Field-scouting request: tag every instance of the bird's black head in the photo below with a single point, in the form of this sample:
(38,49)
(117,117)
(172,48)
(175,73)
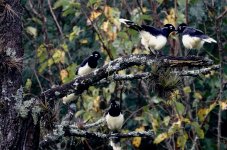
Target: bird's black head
(181,27)
(96,55)
(115,109)
(168,28)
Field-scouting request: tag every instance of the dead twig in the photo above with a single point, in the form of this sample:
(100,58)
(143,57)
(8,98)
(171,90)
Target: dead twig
(55,20)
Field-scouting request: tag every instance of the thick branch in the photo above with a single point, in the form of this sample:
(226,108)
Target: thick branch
(87,126)
(81,83)
(193,73)
(197,72)
(63,131)
(87,134)
(118,77)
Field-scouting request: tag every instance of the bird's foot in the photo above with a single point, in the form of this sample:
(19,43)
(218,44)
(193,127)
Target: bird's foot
(188,52)
(152,52)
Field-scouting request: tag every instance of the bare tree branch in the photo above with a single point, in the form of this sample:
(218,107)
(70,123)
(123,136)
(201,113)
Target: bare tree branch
(55,19)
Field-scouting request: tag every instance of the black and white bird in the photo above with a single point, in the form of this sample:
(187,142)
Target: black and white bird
(193,38)
(89,64)
(152,38)
(114,117)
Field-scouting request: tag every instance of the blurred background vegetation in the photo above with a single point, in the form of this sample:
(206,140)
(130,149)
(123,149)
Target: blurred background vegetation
(59,34)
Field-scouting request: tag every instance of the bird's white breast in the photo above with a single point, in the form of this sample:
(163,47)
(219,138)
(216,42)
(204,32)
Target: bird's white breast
(153,42)
(114,123)
(192,42)
(85,70)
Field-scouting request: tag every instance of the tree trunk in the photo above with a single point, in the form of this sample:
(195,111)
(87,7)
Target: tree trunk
(15,132)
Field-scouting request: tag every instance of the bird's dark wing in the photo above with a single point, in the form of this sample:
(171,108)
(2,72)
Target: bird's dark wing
(151,30)
(194,32)
(77,69)
(82,64)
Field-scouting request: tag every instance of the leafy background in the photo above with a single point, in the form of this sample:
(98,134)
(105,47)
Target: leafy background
(59,34)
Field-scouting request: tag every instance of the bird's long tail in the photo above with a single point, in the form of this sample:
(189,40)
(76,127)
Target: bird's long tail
(131,24)
(68,98)
(115,143)
(210,40)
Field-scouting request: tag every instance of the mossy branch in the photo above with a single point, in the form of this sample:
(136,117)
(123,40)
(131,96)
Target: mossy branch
(70,130)
(81,83)
(194,73)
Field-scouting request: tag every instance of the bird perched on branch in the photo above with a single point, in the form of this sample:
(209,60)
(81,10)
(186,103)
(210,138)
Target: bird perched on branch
(152,38)
(89,64)
(114,119)
(193,38)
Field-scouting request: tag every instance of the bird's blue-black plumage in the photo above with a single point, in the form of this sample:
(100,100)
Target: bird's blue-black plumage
(155,31)
(194,33)
(115,109)
(193,38)
(152,38)
(114,118)
(92,61)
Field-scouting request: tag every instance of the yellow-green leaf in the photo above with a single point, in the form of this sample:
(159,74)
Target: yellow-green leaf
(76,31)
(166,120)
(223,104)
(137,140)
(42,53)
(28,84)
(32,31)
(180,108)
(203,112)
(198,95)
(58,56)
(187,89)
(198,130)
(181,140)
(174,128)
(161,137)
(155,123)
(63,74)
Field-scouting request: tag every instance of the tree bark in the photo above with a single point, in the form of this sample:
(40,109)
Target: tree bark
(15,132)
